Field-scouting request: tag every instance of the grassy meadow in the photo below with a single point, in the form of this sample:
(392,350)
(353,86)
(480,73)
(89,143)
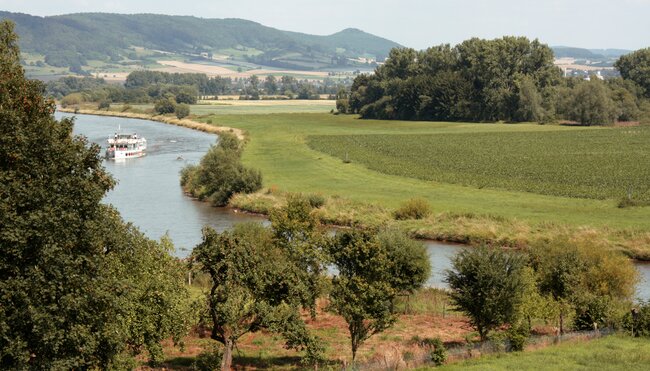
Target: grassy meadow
(278,146)
(608,353)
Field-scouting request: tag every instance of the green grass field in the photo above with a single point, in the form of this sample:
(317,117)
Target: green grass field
(278,147)
(609,353)
(600,164)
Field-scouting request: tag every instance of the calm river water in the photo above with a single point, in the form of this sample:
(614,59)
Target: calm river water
(149,195)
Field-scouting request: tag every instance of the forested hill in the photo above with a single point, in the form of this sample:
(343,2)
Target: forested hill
(101,36)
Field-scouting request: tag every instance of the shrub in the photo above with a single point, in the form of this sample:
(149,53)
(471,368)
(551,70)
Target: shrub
(104,105)
(518,337)
(209,360)
(416,208)
(637,321)
(182,110)
(316,200)
(164,106)
(438,352)
(220,173)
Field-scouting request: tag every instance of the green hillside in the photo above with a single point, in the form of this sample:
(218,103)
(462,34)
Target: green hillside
(73,39)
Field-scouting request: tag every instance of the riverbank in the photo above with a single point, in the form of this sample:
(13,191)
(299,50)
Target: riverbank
(359,197)
(187,123)
(466,229)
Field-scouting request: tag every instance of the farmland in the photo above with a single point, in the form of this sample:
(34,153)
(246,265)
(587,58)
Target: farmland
(596,163)
(278,147)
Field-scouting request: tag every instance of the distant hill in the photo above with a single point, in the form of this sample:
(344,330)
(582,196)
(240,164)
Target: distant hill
(73,39)
(578,53)
(590,54)
(611,53)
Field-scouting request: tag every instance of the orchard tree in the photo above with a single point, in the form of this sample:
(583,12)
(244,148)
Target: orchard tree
(487,284)
(254,287)
(79,289)
(372,271)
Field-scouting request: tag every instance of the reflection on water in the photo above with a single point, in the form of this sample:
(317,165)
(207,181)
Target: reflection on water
(149,195)
(148,192)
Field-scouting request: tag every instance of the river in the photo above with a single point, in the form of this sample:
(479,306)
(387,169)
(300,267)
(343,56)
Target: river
(149,195)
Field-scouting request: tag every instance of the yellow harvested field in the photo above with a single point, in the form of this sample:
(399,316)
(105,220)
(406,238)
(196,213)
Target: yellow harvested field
(569,63)
(177,66)
(231,101)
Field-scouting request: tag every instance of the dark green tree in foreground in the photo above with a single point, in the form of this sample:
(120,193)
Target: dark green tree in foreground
(255,286)
(79,289)
(487,285)
(372,271)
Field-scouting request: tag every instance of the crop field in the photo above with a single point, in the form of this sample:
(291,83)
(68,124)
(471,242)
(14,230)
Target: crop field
(597,163)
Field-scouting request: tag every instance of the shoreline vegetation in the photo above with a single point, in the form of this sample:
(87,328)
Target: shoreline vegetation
(472,229)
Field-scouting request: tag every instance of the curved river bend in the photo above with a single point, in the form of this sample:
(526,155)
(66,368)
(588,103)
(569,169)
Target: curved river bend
(149,195)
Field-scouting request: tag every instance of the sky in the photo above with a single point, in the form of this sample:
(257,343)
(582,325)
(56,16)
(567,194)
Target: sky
(419,24)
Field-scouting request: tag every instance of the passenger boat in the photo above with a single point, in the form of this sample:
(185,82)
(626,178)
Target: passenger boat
(125,146)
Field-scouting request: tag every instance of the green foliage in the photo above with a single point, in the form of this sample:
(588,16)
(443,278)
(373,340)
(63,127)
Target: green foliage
(365,287)
(570,163)
(636,67)
(297,231)
(415,208)
(487,285)
(517,337)
(588,281)
(500,79)
(316,200)
(209,360)
(220,173)
(182,110)
(637,321)
(79,288)
(591,104)
(255,285)
(164,106)
(438,353)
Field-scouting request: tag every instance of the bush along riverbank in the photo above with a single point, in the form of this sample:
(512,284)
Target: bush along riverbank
(465,228)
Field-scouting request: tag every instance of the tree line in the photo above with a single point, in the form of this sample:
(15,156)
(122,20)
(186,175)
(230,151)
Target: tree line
(149,86)
(509,79)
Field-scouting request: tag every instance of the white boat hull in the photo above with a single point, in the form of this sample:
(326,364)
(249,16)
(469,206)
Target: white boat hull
(125,146)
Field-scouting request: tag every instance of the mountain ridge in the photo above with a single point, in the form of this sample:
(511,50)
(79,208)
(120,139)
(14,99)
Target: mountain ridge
(73,38)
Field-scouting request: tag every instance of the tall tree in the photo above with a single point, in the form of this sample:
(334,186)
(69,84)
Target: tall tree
(73,278)
(636,67)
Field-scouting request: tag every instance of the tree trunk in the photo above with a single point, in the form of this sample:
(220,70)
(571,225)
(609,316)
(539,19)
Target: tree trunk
(226,361)
(561,323)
